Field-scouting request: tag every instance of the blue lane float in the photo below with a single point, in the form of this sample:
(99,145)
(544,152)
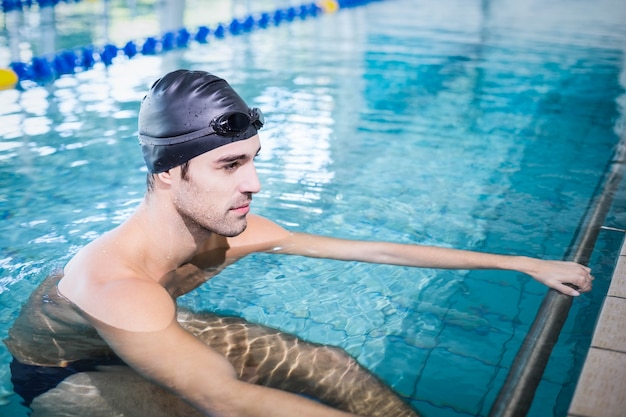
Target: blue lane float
(13,5)
(43,70)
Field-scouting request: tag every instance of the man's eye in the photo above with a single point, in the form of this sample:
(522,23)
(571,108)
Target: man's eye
(231,166)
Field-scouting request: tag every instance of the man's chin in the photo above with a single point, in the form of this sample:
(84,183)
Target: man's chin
(236,232)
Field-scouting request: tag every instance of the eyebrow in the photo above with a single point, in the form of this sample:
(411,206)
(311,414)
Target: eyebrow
(237,157)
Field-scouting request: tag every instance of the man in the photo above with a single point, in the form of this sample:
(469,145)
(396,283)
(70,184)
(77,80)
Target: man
(114,303)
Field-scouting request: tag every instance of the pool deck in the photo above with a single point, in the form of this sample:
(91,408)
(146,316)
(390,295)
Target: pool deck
(601,389)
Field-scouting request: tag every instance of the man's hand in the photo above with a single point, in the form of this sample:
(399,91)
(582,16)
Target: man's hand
(567,277)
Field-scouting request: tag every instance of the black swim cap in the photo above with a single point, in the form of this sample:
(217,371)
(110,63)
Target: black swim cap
(187,113)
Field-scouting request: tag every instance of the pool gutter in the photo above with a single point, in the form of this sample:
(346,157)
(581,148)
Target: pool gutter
(516,395)
(600,388)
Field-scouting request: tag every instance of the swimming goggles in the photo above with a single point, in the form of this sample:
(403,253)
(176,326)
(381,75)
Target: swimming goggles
(235,123)
(228,124)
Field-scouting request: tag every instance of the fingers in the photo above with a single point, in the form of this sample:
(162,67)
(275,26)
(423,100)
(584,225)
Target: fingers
(583,282)
(567,290)
(587,284)
(587,280)
(567,277)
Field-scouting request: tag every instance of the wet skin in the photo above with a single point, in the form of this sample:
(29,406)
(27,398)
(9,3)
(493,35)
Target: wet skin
(117,296)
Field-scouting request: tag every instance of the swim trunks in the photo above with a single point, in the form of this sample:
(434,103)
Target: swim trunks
(30,381)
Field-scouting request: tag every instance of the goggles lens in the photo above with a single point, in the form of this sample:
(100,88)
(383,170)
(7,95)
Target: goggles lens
(234,123)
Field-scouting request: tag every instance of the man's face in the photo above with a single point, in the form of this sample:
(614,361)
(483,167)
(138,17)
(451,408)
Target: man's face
(217,191)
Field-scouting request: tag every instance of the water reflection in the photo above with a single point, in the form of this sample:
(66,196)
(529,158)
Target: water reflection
(297,137)
(419,139)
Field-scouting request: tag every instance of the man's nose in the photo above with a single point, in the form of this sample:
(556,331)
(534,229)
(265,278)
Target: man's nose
(251,182)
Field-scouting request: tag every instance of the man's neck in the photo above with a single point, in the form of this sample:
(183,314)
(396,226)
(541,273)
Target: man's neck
(165,240)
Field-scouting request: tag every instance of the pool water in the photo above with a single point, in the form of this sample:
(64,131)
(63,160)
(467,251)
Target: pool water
(476,125)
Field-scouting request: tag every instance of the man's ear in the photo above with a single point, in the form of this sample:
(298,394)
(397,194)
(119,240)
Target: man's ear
(165,178)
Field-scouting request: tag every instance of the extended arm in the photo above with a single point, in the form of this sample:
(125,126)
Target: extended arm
(554,274)
(265,235)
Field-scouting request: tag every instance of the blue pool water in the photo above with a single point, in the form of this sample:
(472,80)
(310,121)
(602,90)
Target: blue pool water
(482,125)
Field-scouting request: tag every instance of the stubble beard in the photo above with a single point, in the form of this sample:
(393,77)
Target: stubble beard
(202,220)
(203,227)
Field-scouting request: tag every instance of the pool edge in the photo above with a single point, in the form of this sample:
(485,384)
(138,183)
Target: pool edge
(599,392)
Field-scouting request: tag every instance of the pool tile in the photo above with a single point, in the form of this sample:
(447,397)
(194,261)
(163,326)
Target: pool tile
(610,331)
(445,384)
(618,283)
(600,390)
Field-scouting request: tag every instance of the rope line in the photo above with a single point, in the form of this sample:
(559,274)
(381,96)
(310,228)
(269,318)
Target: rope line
(45,69)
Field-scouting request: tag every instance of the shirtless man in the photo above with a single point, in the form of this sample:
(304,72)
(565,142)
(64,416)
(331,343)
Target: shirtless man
(115,301)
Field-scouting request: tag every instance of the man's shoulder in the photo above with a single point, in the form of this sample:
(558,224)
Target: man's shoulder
(260,234)
(115,293)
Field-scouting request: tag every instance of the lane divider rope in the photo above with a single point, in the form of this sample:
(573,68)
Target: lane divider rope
(45,69)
